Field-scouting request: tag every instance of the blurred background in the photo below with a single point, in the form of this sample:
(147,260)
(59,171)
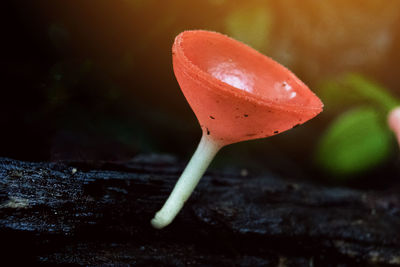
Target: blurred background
(93,80)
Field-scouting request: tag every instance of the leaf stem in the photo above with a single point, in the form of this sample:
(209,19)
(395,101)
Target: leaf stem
(201,159)
(372,91)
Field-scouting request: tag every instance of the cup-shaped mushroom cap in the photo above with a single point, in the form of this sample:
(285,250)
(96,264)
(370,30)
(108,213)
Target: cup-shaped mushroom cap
(236,92)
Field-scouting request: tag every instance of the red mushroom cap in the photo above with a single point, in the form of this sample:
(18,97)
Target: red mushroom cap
(394,122)
(236,92)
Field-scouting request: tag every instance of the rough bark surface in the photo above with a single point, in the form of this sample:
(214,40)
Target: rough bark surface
(98,213)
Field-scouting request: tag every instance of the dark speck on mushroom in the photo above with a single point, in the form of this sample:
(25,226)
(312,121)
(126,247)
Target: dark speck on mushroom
(211,117)
(208,132)
(276,132)
(245,115)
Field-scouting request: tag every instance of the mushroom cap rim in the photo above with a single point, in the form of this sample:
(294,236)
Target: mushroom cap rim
(192,69)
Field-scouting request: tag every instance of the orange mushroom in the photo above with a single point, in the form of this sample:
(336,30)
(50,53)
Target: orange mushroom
(394,122)
(237,94)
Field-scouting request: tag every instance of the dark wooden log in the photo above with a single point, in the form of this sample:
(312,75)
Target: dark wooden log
(98,213)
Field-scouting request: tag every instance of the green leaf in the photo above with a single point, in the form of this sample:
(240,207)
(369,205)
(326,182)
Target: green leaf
(358,140)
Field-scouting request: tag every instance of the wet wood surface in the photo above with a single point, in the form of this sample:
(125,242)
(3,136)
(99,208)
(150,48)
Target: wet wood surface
(98,214)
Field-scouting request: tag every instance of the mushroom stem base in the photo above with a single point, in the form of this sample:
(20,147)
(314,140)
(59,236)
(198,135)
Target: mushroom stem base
(201,159)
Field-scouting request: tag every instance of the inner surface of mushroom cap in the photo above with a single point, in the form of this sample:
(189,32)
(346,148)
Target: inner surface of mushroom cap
(244,68)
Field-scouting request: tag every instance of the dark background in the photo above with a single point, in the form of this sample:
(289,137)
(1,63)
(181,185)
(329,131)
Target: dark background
(93,80)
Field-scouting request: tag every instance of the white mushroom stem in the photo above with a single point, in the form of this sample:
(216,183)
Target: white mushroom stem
(394,122)
(205,152)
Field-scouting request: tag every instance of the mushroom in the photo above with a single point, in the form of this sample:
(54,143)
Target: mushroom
(237,94)
(394,122)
